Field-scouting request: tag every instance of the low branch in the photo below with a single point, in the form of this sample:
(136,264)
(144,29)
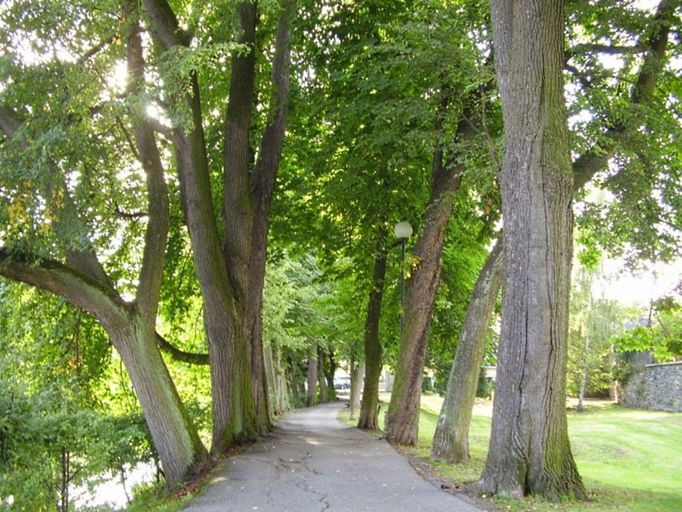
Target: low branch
(180,355)
(605,49)
(129,215)
(76,287)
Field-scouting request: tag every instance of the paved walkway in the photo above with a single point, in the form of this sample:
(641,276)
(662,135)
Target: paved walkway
(312,462)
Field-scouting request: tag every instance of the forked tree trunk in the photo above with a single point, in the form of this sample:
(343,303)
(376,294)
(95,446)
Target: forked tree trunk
(231,273)
(369,408)
(451,439)
(529,448)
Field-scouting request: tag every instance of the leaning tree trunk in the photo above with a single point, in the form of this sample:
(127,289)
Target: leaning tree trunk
(402,418)
(175,438)
(529,448)
(369,408)
(451,439)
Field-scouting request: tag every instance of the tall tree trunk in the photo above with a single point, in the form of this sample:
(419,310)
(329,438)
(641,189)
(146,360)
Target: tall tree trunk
(231,276)
(311,392)
(276,383)
(529,448)
(584,168)
(403,411)
(271,378)
(586,375)
(451,439)
(321,377)
(329,372)
(369,408)
(357,371)
(249,189)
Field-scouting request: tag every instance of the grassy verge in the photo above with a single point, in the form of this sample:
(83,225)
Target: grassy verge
(630,460)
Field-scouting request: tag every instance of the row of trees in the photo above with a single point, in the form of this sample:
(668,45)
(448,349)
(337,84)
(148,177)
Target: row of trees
(141,145)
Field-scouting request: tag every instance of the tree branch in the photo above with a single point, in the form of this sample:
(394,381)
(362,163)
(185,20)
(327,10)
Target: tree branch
(156,235)
(180,355)
(595,159)
(76,287)
(95,49)
(166,24)
(263,178)
(238,199)
(86,261)
(606,49)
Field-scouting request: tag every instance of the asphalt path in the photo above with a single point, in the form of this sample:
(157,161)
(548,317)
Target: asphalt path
(313,462)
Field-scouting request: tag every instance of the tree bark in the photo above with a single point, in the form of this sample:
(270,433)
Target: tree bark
(586,375)
(321,375)
(329,372)
(369,408)
(451,439)
(357,371)
(529,448)
(311,392)
(403,411)
(175,438)
(249,189)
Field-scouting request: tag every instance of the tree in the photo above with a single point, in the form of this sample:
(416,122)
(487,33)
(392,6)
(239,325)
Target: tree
(529,448)
(46,177)
(230,268)
(451,437)
(613,130)
(593,323)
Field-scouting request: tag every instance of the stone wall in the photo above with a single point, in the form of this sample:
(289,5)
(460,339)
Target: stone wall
(655,386)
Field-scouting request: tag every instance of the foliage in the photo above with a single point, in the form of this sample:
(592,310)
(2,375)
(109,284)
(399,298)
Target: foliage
(305,308)
(594,323)
(55,433)
(485,387)
(638,213)
(662,337)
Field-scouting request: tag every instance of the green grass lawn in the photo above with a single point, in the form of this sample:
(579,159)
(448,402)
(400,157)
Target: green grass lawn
(629,459)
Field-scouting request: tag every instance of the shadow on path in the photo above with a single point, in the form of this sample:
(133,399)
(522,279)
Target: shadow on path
(313,462)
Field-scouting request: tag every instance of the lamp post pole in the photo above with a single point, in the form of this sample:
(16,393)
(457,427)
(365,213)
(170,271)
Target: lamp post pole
(403,231)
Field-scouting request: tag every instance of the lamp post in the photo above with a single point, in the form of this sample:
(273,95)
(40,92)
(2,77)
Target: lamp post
(403,231)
